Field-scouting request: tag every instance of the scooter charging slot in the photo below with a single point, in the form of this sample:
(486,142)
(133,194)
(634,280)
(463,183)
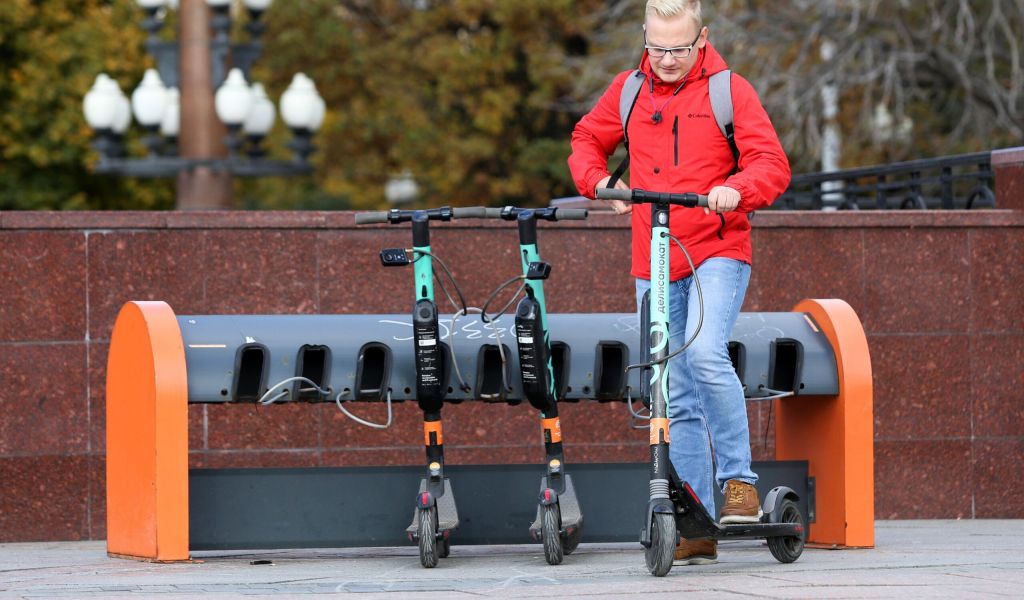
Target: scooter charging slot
(251,366)
(489,380)
(610,363)
(313,363)
(373,371)
(785,365)
(738,357)
(561,356)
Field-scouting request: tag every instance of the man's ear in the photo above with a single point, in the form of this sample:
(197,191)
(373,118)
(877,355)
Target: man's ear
(703,37)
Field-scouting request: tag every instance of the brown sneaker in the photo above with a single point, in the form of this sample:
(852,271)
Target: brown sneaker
(696,552)
(741,503)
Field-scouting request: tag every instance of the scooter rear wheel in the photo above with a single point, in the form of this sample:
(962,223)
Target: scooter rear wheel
(663,545)
(428,537)
(551,523)
(787,549)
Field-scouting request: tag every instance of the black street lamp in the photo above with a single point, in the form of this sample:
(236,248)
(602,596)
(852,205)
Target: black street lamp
(243,109)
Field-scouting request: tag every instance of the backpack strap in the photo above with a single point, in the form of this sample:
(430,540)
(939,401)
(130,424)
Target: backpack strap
(720,91)
(627,100)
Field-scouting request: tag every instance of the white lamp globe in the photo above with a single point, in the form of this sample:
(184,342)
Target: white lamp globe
(149,99)
(261,116)
(123,118)
(233,99)
(258,5)
(298,102)
(171,122)
(218,3)
(151,4)
(100,103)
(316,119)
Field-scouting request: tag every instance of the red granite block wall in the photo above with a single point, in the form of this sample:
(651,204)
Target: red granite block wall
(939,294)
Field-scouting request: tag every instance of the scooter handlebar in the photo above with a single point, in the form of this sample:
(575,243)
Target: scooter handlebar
(643,196)
(614,194)
(469,212)
(368,218)
(571,214)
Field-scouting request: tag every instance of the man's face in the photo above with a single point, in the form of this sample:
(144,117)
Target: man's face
(674,32)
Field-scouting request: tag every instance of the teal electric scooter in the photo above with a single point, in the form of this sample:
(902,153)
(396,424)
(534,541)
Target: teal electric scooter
(674,509)
(435,515)
(559,521)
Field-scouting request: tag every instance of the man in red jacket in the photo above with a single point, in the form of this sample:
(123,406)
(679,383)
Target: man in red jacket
(675,145)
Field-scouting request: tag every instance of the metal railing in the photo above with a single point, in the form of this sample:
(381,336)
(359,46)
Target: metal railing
(963,181)
(951,182)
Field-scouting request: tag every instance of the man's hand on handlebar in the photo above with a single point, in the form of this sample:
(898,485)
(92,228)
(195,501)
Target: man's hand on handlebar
(620,207)
(722,199)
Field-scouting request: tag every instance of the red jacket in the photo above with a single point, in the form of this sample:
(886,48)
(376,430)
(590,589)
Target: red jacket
(685,152)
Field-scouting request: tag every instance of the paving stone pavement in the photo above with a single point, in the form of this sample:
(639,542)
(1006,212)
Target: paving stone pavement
(912,559)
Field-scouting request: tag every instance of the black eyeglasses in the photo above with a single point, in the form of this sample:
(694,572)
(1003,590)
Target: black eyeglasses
(676,52)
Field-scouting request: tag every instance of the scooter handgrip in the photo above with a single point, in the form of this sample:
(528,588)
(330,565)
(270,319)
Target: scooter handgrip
(469,212)
(493,213)
(702,200)
(371,217)
(614,194)
(571,214)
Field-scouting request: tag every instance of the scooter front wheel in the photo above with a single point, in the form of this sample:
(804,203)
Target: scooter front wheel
(663,545)
(428,537)
(551,523)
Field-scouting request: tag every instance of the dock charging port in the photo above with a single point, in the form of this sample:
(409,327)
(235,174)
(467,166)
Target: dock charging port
(373,372)
(738,358)
(561,359)
(785,365)
(611,359)
(252,362)
(447,385)
(489,380)
(313,363)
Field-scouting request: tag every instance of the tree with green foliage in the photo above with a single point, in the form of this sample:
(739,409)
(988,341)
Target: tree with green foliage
(50,53)
(476,99)
(467,96)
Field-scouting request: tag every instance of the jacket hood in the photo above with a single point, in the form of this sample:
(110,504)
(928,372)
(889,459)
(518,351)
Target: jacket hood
(709,62)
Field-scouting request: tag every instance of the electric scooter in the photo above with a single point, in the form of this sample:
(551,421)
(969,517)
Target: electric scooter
(674,509)
(435,515)
(559,521)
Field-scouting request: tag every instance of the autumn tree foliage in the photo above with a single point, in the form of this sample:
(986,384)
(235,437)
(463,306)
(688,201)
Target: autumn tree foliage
(50,52)
(476,99)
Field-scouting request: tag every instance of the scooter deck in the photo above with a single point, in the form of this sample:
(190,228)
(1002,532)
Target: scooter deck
(568,506)
(693,522)
(447,513)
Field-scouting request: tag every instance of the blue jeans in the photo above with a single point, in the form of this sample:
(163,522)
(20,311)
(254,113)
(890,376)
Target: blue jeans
(706,410)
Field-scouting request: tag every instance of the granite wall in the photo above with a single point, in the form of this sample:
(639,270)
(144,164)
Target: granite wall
(939,293)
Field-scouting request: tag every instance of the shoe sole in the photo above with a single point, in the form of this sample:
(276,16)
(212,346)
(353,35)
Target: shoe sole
(695,560)
(741,520)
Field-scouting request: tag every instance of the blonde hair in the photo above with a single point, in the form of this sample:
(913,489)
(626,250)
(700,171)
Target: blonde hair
(670,8)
